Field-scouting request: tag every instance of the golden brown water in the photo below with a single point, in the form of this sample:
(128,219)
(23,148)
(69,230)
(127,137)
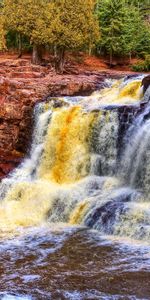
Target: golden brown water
(66,158)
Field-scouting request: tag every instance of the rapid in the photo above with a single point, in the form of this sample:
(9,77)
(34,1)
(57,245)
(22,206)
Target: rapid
(75,215)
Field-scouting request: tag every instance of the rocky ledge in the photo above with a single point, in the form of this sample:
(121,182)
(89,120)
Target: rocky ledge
(22,85)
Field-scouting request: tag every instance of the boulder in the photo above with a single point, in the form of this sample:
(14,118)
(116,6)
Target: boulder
(146,82)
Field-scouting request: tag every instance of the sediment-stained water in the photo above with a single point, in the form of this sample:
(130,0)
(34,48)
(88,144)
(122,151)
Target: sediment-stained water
(73,263)
(75,216)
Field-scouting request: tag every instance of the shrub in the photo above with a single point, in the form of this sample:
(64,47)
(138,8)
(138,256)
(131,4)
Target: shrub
(142,66)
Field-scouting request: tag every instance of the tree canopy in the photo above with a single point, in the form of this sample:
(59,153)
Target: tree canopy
(124,27)
(109,27)
(64,24)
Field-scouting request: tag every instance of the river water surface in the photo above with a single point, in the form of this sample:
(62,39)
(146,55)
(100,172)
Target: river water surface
(73,263)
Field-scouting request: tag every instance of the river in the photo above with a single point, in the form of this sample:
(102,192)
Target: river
(75,215)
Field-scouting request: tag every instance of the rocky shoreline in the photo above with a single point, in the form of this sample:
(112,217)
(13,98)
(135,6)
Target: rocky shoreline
(22,85)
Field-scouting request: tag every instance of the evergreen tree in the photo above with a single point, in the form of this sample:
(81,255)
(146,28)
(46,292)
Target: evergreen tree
(124,29)
(136,27)
(77,26)
(111,15)
(131,29)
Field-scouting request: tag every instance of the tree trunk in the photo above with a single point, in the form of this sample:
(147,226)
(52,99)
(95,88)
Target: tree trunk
(130,57)
(55,51)
(19,45)
(36,55)
(90,50)
(60,60)
(111,58)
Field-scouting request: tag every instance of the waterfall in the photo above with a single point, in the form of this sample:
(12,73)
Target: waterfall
(73,173)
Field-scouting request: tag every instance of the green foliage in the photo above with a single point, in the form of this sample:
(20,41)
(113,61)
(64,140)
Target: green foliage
(130,32)
(30,18)
(142,66)
(64,24)
(124,27)
(12,41)
(143,39)
(76,25)
(111,16)
(68,24)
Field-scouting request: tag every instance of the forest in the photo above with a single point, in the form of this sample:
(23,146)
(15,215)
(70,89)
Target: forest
(106,28)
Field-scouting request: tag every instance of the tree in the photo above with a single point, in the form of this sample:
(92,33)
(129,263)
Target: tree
(136,30)
(30,18)
(2,34)
(2,30)
(124,30)
(111,18)
(64,24)
(76,28)
(130,30)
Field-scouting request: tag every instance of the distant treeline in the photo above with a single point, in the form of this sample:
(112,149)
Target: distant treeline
(115,28)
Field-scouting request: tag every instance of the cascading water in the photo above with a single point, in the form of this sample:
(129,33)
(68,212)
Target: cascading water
(72,173)
(75,215)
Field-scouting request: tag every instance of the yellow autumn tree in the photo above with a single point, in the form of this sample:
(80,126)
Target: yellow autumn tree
(2,30)
(63,24)
(77,26)
(30,18)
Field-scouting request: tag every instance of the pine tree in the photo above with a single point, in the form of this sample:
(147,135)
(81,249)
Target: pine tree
(124,29)
(136,28)
(131,29)
(111,18)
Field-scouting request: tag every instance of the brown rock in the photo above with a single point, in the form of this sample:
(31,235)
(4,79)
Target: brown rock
(21,87)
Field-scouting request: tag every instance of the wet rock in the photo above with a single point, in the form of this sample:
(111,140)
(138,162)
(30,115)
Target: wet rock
(9,161)
(105,216)
(22,85)
(146,82)
(130,76)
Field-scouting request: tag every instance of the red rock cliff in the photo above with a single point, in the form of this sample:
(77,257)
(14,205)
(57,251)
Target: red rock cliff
(21,86)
